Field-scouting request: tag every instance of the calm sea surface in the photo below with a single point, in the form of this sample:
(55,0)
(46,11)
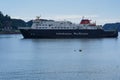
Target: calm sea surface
(59,59)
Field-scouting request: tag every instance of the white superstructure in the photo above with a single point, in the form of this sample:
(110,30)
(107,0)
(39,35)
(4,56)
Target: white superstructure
(51,24)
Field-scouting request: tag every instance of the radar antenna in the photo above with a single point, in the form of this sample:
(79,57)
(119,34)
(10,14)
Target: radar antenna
(83,17)
(38,17)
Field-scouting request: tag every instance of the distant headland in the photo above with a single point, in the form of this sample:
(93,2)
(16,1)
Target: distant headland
(9,25)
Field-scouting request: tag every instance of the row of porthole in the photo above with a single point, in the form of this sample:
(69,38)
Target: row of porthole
(57,28)
(44,25)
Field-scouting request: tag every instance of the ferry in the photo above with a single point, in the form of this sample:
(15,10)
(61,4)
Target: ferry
(42,28)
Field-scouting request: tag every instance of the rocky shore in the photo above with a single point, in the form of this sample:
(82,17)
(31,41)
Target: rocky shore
(10,32)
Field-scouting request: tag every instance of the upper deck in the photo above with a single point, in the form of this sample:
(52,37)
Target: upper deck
(51,24)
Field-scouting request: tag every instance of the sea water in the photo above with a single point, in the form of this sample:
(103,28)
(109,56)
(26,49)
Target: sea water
(59,59)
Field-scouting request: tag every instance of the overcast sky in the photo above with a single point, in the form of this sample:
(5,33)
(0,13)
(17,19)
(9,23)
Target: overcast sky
(101,11)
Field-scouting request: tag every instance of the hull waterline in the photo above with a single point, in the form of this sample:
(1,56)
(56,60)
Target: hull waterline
(99,33)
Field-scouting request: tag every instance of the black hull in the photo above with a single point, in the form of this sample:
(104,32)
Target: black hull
(99,33)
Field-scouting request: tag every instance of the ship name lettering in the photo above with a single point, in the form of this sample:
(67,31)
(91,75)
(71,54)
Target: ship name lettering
(63,33)
(80,33)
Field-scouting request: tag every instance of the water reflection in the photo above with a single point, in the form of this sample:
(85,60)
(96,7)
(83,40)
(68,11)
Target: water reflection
(59,59)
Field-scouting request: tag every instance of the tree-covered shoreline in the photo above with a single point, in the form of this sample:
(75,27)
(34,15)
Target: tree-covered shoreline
(9,25)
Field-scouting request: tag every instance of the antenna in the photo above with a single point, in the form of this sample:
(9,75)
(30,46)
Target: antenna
(38,17)
(83,17)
